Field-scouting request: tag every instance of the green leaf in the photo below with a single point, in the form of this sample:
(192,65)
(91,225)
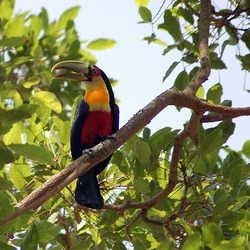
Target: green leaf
(45,19)
(142,151)
(101,44)
(235,176)
(192,242)
(46,76)
(166,243)
(47,231)
(212,235)
(63,128)
(212,141)
(68,15)
(119,246)
(244,228)
(4,246)
(169,48)
(245,61)
(172,25)
(18,60)
(246,149)
(6,10)
(216,62)
(6,208)
(31,239)
(216,137)
(142,2)
(220,195)
(6,155)
(200,92)
(35,26)
(141,186)
(145,14)
(146,133)
(13,41)
(48,99)
(38,54)
(170,70)
(33,152)
(163,139)
(34,80)
(13,95)
(182,80)
(214,94)
(186,14)
(246,38)
(18,174)
(231,41)
(15,27)
(236,242)
(153,39)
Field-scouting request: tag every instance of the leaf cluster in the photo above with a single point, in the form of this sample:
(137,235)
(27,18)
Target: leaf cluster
(181,20)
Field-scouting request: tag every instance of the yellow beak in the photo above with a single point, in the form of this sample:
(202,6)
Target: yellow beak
(80,71)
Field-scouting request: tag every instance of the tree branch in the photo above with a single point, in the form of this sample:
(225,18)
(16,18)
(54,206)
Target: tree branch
(203,73)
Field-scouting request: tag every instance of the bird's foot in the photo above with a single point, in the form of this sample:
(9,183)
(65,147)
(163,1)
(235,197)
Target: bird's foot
(110,137)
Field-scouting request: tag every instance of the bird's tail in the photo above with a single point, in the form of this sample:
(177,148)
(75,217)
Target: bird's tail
(88,192)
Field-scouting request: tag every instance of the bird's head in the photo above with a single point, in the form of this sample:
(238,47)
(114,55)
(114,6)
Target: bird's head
(98,88)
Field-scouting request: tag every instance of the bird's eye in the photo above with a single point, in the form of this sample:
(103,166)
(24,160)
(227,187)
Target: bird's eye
(95,72)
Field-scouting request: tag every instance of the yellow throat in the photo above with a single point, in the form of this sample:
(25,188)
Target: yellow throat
(97,95)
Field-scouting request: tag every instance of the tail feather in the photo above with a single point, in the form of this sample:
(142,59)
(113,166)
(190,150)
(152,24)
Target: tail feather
(88,192)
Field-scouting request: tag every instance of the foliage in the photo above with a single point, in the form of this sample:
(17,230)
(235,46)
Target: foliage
(209,207)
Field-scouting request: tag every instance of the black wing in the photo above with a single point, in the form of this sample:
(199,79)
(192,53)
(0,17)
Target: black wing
(115,113)
(76,129)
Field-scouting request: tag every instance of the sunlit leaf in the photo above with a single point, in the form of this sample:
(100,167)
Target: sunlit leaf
(101,44)
(31,82)
(48,99)
(142,2)
(18,174)
(69,14)
(13,41)
(33,152)
(15,27)
(214,93)
(6,9)
(246,149)
(212,235)
(192,242)
(200,92)
(35,25)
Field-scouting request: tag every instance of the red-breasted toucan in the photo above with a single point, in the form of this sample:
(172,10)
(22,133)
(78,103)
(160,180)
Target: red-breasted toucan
(96,118)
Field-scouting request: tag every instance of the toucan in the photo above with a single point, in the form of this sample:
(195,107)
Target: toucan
(96,118)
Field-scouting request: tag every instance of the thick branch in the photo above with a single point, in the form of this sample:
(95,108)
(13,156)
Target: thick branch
(203,73)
